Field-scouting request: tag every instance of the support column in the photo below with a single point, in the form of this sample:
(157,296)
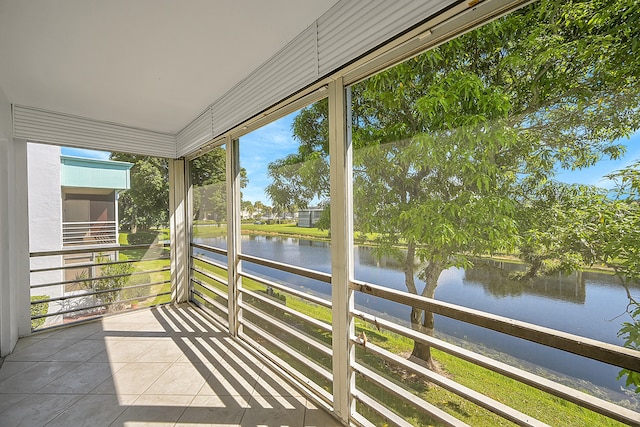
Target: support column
(14,243)
(340,152)
(21,229)
(178,229)
(233,233)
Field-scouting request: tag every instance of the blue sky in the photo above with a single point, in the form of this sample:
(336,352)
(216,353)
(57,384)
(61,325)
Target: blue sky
(261,147)
(274,141)
(594,175)
(83,152)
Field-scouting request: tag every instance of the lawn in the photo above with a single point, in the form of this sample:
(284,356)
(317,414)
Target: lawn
(287,230)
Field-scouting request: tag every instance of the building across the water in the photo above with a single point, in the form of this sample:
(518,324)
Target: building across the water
(309,217)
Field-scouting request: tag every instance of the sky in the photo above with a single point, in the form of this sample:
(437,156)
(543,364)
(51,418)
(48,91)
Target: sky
(274,141)
(255,158)
(83,152)
(595,174)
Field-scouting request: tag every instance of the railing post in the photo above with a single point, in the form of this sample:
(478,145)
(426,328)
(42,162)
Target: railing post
(340,152)
(178,232)
(233,232)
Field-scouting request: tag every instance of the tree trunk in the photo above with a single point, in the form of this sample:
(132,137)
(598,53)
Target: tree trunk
(534,269)
(423,321)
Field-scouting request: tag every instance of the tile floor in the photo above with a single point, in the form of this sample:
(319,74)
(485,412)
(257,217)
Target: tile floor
(166,366)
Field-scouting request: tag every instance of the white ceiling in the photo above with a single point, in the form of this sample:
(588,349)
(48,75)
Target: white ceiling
(153,64)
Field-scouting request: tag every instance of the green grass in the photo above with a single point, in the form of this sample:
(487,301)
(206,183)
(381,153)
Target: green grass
(209,230)
(149,297)
(284,230)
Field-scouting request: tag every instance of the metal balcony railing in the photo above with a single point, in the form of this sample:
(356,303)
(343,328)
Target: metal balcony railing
(89,233)
(72,285)
(294,333)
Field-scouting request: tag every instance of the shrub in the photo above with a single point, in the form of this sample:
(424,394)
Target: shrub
(142,238)
(105,282)
(38,310)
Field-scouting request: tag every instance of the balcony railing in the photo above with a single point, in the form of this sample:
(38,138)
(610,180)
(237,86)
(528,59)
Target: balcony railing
(292,330)
(89,233)
(73,285)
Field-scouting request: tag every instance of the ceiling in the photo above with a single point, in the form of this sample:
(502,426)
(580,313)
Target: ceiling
(153,64)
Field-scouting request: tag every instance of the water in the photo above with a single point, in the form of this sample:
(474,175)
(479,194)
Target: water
(590,305)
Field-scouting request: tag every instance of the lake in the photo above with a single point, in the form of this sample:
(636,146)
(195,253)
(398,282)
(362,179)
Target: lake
(589,304)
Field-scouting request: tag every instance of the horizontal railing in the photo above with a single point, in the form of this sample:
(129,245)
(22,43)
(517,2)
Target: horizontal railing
(89,233)
(118,278)
(596,350)
(295,335)
(294,340)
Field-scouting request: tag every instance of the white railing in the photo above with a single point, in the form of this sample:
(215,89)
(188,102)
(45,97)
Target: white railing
(295,334)
(89,233)
(114,279)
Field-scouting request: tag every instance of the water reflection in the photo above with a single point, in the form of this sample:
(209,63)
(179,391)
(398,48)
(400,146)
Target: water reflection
(495,278)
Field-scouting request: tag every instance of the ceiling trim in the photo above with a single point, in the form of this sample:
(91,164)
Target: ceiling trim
(38,125)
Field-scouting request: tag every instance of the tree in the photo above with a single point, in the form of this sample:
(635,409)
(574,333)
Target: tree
(208,177)
(621,229)
(452,143)
(559,226)
(247,206)
(146,203)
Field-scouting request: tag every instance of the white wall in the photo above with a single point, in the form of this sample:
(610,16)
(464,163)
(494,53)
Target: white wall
(45,201)
(45,220)
(14,232)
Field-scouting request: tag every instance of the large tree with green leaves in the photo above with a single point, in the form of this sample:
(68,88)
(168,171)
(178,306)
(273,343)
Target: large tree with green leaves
(146,203)
(449,145)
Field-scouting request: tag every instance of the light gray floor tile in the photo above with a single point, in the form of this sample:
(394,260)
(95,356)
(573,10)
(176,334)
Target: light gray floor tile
(162,350)
(39,410)
(90,411)
(212,411)
(229,382)
(36,377)
(9,400)
(133,378)
(127,351)
(40,350)
(80,351)
(26,342)
(272,384)
(10,368)
(79,331)
(317,417)
(259,415)
(148,415)
(181,378)
(153,367)
(83,378)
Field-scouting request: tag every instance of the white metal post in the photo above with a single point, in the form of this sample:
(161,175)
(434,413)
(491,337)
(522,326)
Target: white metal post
(340,152)
(178,232)
(21,229)
(233,233)
(188,185)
